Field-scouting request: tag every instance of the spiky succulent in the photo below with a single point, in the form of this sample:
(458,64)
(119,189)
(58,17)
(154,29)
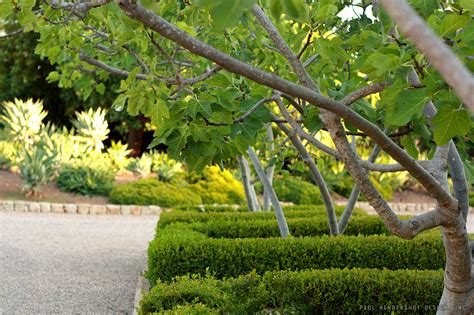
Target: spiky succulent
(23,120)
(118,153)
(141,166)
(92,127)
(165,167)
(36,169)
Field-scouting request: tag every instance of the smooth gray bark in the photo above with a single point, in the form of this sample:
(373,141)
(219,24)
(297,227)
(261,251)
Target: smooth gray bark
(282,225)
(318,178)
(270,169)
(248,187)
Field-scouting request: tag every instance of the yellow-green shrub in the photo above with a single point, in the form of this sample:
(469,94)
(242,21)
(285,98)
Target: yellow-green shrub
(151,191)
(216,186)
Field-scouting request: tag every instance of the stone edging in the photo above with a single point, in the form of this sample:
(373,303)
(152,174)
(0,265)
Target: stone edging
(143,286)
(400,206)
(46,207)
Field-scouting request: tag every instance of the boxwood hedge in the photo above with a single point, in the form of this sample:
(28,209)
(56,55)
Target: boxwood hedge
(196,216)
(334,291)
(311,226)
(178,250)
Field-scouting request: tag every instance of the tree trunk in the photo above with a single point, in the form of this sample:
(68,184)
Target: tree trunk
(248,187)
(270,169)
(458,292)
(331,213)
(135,138)
(282,225)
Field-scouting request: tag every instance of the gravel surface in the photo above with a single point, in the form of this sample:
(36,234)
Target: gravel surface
(60,263)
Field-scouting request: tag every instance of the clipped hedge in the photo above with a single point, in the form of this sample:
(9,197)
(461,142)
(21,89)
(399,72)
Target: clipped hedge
(195,216)
(151,191)
(178,250)
(334,291)
(310,226)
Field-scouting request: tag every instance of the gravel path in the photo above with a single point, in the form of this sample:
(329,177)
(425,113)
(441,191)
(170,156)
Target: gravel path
(60,263)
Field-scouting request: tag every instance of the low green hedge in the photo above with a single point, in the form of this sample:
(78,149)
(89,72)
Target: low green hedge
(310,226)
(226,208)
(195,216)
(178,250)
(151,191)
(334,291)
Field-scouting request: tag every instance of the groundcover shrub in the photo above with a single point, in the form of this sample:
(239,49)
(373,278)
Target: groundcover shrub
(151,191)
(333,291)
(86,178)
(179,250)
(294,189)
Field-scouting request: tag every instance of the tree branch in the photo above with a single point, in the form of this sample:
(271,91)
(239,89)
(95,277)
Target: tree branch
(110,69)
(168,30)
(440,56)
(363,92)
(333,227)
(14,33)
(206,75)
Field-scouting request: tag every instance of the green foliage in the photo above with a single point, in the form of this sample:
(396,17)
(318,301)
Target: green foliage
(312,226)
(141,166)
(216,186)
(118,153)
(296,190)
(36,169)
(178,250)
(471,198)
(86,177)
(92,126)
(333,291)
(226,13)
(151,191)
(23,120)
(351,53)
(450,122)
(7,154)
(195,214)
(295,9)
(165,168)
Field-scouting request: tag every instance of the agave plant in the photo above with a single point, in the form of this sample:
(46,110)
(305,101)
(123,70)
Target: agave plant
(165,168)
(57,144)
(92,127)
(23,120)
(118,153)
(7,154)
(36,169)
(141,166)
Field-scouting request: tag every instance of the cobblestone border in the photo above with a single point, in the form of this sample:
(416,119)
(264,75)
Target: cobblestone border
(399,206)
(46,207)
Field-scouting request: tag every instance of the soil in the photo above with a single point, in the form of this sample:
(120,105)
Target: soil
(410,196)
(10,184)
